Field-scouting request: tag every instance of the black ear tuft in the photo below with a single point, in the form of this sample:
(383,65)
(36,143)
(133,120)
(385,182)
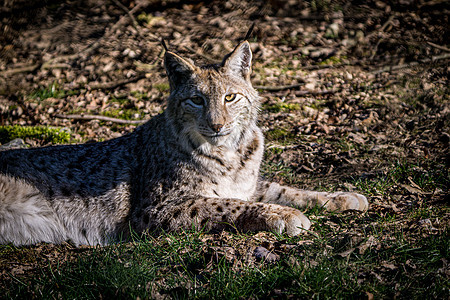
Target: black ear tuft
(249,32)
(239,61)
(163,43)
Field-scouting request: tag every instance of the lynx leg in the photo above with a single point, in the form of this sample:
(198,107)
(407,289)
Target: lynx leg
(220,214)
(271,192)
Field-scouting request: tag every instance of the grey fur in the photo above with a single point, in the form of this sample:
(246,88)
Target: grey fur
(195,165)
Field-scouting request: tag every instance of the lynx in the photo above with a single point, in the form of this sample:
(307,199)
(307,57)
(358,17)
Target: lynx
(196,165)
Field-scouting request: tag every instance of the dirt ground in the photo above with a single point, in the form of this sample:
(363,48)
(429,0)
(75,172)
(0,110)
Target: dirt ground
(348,90)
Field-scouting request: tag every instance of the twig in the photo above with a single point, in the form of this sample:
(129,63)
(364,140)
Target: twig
(432,3)
(333,17)
(56,66)
(32,68)
(385,25)
(326,92)
(278,88)
(207,57)
(114,84)
(382,28)
(101,118)
(133,20)
(25,69)
(92,46)
(411,64)
(326,66)
(53,63)
(439,47)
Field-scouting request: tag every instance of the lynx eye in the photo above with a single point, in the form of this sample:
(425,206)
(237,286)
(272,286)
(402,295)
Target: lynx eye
(196,100)
(230,97)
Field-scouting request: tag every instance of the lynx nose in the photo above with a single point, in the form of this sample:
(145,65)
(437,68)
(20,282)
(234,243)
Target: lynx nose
(216,127)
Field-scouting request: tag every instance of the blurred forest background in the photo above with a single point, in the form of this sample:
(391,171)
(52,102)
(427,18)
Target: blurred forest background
(355,98)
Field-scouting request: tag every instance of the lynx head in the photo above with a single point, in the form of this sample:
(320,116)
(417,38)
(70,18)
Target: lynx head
(214,105)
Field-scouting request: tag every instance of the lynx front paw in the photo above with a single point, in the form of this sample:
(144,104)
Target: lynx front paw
(288,220)
(341,201)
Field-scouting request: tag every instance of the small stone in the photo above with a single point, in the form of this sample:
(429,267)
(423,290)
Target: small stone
(262,254)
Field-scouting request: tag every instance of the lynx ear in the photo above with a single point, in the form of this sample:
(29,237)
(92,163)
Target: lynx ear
(240,61)
(178,69)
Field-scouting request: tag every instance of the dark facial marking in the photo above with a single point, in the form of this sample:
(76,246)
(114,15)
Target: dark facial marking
(194,212)
(214,158)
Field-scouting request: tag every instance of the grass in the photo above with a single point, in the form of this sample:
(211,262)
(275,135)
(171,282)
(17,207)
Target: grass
(40,133)
(52,91)
(185,266)
(425,176)
(385,254)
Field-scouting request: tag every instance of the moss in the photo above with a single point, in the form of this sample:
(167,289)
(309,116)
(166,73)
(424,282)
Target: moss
(139,95)
(125,114)
(280,135)
(162,87)
(148,19)
(332,60)
(121,100)
(45,134)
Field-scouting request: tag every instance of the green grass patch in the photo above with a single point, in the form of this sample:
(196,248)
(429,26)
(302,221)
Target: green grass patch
(52,91)
(426,176)
(280,135)
(41,133)
(185,265)
(278,170)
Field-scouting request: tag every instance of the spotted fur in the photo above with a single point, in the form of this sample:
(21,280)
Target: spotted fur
(194,166)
